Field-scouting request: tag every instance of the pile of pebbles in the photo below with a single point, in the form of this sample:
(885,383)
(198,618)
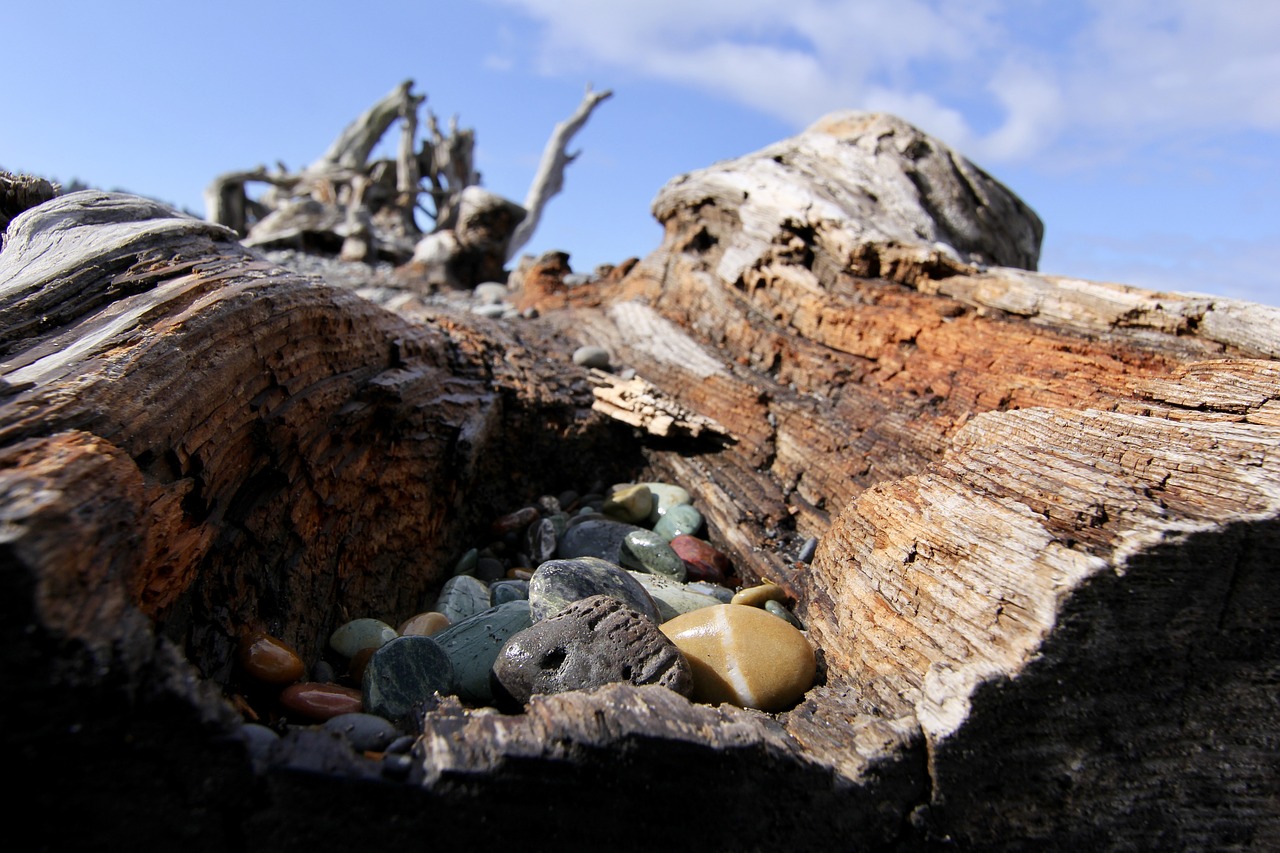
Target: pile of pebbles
(572,592)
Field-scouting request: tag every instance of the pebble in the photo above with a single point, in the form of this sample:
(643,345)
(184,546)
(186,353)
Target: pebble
(673,597)
(515,521)
(258,741)
(702,561)
(591,356)
(424,624)
(777,609)
(361,634)
(592,642)
(679,520)
(722,594)
(405,673)
(490,292)
(508,590)
(808,549)
(558,583)
(467,562)
(595,537)
(630,502)
(319,702)
(665,496)
(541,538)
(365,732)
(462,597)
(489,569)
(744,656)
(756,596)
(649,552)
(268,660)
(473,646)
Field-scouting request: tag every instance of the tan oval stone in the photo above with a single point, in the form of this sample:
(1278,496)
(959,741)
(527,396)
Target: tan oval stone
(423,625)
(756,596)
(744,656)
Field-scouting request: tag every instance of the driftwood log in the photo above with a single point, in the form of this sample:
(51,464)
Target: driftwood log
(1045,597)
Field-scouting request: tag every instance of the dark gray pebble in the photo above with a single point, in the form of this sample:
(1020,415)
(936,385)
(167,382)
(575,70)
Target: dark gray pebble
(365,732)
(808,549)
(406,672)
(595,537)
(558,583)
(592,642)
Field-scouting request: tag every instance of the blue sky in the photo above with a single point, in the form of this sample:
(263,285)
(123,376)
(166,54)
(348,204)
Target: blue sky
(1146,133)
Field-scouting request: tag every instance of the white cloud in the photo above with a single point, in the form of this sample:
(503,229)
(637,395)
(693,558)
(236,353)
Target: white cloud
(1123,72)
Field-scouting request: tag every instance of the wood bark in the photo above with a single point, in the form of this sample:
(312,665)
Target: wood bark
(1045,596)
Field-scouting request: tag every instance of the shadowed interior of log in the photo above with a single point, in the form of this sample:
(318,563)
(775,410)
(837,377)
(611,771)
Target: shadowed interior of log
(1031,521)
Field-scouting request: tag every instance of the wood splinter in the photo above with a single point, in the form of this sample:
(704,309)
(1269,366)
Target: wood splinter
(635,401)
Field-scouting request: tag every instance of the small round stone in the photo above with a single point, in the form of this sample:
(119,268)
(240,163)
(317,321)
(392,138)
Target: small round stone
(558,583)
(744,656)
(269,660)
(756,596)
(808,549)
(466,564)
(508,590)
(541,537)
(461,597)
(721,593)
(404,674)
(515,521)
(777,609)
(424,624)
(681,519)
(591,356)
(665,496)
(630,502)
(319,702)
(489,569)
(649,552)
(361,634)
(365,732)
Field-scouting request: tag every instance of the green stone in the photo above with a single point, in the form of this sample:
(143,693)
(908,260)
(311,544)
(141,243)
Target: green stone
(631,503)
(649,552)
(665,496)
(679,520)
(404,674)
(462,597)
(473,645)
(777,609)
(467,563)
(673,598)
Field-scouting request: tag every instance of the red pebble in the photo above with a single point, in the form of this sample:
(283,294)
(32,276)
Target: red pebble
(269,660)
(518,520)
(320,702)
(702,562)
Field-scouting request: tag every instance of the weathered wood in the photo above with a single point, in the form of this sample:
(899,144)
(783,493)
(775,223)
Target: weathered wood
(549,179)
(1044,598)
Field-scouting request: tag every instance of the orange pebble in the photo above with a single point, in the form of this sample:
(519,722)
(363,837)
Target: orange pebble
(269,660)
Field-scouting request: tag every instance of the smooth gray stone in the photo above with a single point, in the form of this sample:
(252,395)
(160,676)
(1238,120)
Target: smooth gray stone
(406,672)
(592,356)
(509,590)
(715,590)
(365,732)
(489,569)
(672,597)
(779,610)
(358,634)
(558,583)
(462,597)
(649,552)
(473,645)
(679,519)
(592,642)
(595,537)
(808,549)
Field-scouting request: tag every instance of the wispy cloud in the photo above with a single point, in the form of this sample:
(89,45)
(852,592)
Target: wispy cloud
(1123,70)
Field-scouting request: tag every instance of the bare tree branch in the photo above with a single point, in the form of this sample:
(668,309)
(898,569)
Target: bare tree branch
(550,177)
